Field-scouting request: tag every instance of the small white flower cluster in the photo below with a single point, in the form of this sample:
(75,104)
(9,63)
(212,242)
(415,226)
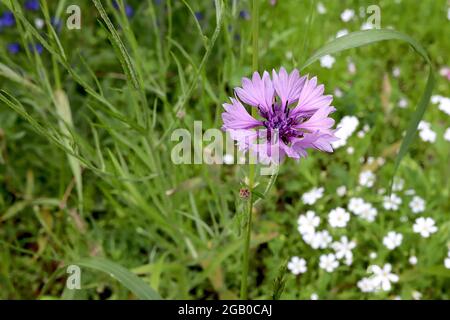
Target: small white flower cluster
(343,249)
(362,209)
(297,265)
(392,202)
(347,15)
(341,191)
(345,129)
(444,103)
(398,184)
(396,72)
(351,66)
(328,262)
(338,218)
(362,133)
(402,103)
(417,204)
(313,195)
(367,179)
(321,8)
(392,240)
(425,132)
(307,224)
(327,61)
(39,23)
(424,226)
(381,279)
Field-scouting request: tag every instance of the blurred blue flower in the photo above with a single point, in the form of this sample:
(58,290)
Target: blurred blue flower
(199,15)
(36,48)
(7,19)
(56,23)
(244,14)
(13,48)
(129,11)
(32,5)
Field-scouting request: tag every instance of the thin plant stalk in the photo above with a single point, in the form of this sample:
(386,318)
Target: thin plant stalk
(251,176)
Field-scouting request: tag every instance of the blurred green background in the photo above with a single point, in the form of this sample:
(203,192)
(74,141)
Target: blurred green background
(85,166)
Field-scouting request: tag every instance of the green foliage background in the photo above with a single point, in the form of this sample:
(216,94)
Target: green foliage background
(85,168)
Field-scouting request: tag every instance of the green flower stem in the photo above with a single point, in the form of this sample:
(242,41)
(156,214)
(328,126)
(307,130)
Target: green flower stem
(247,239)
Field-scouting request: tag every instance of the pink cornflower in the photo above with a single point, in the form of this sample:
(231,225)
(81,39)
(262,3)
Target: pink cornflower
(294,116)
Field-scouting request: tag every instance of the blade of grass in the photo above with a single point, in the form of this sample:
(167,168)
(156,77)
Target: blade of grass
(125,277)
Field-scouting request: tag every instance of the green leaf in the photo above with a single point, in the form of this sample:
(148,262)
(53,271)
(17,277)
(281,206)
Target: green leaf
(258,194)
(124,276)
(437,271)
(362,38)
(65,122)
(124,57)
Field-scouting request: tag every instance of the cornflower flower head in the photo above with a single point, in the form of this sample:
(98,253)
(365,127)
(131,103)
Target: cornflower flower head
(294,116)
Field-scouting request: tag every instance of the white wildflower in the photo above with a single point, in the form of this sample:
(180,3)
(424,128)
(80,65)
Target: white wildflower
(366,178)
(327,61)
(341,191)
(328,262)
(392,240)
(297,265)
(368,212)
(398,184)
(416,295)
(417,204)
(356,205)
(383,277)
(343,248)
(424,226)
(412,260)
(396,72)
(402,103)
(312,196)
(321,8)
(346,127)
(338,218)
(366,285)
(321,240)
(392,202)
(308,222)
(347,15)
(39,23)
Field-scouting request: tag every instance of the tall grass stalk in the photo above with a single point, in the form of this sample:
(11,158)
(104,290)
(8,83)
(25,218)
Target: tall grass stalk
(247,239)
